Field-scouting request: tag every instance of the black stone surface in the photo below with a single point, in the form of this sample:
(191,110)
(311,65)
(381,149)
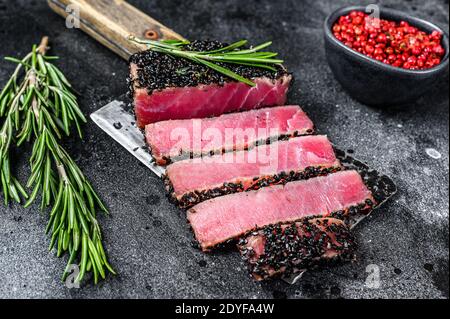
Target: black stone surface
(147,238)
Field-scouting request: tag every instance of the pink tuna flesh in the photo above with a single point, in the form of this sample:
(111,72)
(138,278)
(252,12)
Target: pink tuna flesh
(206,100)
(228,217)
(169,140)
(276,163)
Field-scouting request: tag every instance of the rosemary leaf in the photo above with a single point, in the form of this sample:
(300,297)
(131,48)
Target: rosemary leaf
(225,71)
(256,65)
(228,48)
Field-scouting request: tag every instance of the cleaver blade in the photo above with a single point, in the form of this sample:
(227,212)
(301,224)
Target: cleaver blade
(120,125)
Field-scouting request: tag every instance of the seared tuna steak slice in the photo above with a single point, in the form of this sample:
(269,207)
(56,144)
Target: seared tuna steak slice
(220,219)
(178,139)
(193,181)
(286,249)
(164,87)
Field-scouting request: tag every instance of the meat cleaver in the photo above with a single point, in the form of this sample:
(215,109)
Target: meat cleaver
(110,22)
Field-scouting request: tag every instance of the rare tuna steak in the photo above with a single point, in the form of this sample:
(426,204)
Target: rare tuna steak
(178,139)
(193,181)
(167,88)
(218,220)
(286,249)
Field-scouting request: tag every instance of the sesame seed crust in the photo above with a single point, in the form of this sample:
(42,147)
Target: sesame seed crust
(158,71)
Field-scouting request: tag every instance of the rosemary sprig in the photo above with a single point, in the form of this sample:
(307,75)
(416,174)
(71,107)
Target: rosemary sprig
(229,54)
(39,107)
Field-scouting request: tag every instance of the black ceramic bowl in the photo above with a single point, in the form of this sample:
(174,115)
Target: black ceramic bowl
(375,83)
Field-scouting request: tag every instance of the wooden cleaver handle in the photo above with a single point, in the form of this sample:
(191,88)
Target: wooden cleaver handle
(111,22)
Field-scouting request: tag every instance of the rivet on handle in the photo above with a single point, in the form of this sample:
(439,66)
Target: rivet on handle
(151,34)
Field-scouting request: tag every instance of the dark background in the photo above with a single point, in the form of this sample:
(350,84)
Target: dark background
(147,238)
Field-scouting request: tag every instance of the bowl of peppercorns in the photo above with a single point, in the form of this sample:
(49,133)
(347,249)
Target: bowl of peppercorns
(385,60)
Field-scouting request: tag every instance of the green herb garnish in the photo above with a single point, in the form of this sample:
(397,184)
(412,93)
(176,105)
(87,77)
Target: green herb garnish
(37,106)
(230,54)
